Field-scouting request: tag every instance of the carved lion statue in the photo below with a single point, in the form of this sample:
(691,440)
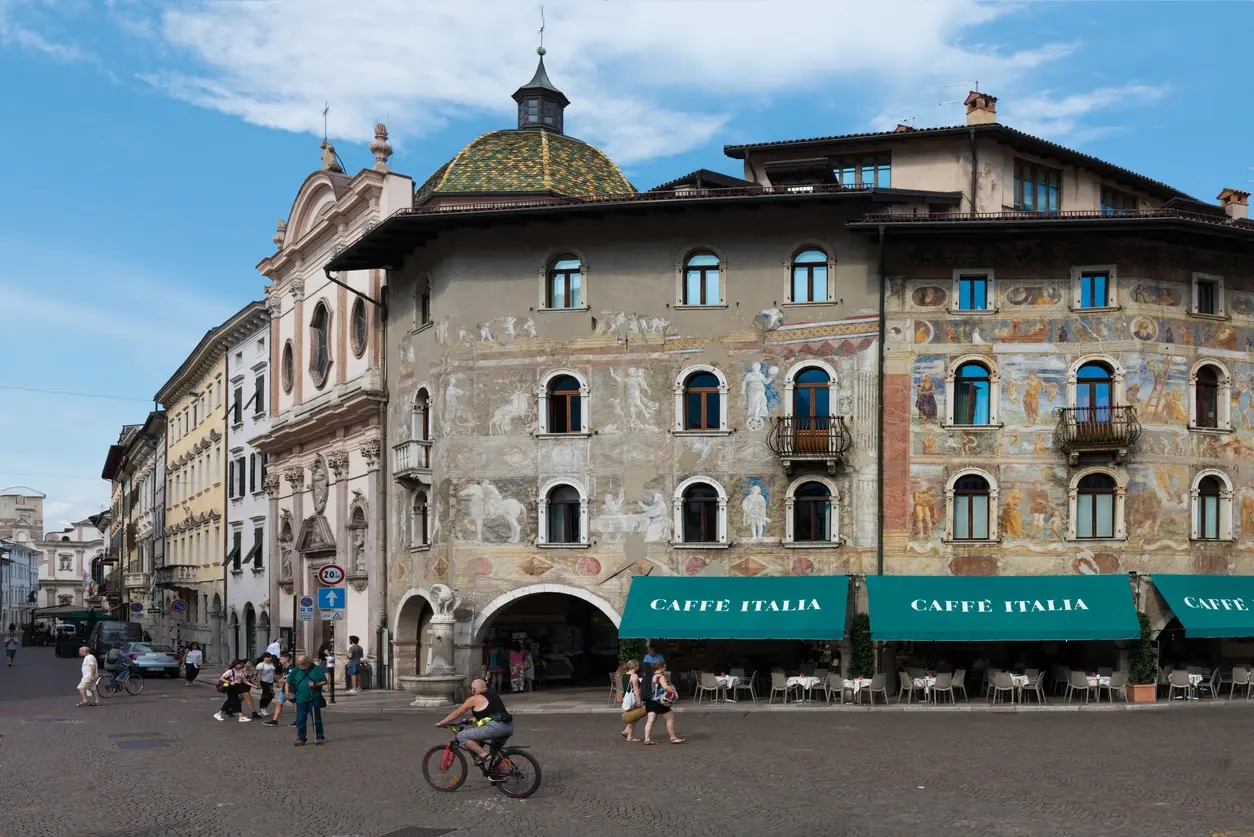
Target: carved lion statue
(444,599)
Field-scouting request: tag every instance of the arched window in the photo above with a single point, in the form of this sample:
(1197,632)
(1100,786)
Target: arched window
(288,368)
(422,302)
(565,405)
(1206,398)
(972,394)
(971,505)
(702,402)
(1209,494)
(811,410)
(701,280)
(421,521)
(420,427)
(1095,507)
(359,328)
(812,513)
(1094,393)
(564,283)
(320,345)
(563,515)
(809,276)
(701,513)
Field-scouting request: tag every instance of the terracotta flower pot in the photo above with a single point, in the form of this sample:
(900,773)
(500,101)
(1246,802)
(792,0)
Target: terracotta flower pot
(1146,693)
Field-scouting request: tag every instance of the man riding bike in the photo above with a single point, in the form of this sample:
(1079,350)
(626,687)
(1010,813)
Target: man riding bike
(115,662)
(492,719)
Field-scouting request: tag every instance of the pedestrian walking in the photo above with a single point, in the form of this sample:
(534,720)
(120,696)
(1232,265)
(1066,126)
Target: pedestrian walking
(529,667)
(11,644)
(280,690)
(193,659)
(496,666)
(274,649)
(265,680)
(516,660)
(304,685)
(664,696)
(233,684)
(87,680)
(352,668)
(633,706)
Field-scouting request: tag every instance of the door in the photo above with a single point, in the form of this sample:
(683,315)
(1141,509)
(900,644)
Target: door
(811,412)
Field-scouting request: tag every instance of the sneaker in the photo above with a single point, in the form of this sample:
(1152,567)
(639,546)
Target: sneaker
(269,723)
(243,719)
(352,692)
(258,715)
(292,724)
(320,741)
(218,716)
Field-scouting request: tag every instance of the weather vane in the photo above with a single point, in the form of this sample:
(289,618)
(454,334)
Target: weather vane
(542,27)
(325,110)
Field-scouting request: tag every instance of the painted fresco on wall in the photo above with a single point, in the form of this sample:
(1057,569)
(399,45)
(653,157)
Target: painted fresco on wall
(1034,503)
(929,389)
(615,515)
(1240,303)
(1147,294)
(1032,386)
(489,512)
(1157,386)
(1034,295)
(1157,502)
(927,502)
(633,403)
(754,500)
(759,393)
(929,296)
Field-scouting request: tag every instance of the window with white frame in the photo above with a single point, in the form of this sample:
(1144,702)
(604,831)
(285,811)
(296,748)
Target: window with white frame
(811,512)
(971,497)
(1210,396)
(973,291)
(563,397)
(810,269)
(1094,287)
(974,390)
(1095,389)
(1097,505)
(700,513)
(564,286)
(562,514)
(701,279)
(420,520)
(1208,295)
(701,400)
(1212,506)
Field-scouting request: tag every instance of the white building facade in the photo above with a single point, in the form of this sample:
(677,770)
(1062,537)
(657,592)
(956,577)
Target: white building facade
(327,403)
(19,581)
(247,510)
(66,567)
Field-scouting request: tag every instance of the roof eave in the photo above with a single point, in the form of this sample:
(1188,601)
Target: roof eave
(1046,225)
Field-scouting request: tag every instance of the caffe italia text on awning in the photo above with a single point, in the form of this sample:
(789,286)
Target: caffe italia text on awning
(730,606)
(987,605)
(1199,603)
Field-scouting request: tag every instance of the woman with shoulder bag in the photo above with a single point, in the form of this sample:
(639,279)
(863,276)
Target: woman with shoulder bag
(633,707)
(664,696)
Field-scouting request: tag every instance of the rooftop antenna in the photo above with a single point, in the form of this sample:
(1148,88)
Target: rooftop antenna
(542,30)
(970,85)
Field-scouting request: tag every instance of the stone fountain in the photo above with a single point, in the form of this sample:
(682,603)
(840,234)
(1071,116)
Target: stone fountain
(439,686)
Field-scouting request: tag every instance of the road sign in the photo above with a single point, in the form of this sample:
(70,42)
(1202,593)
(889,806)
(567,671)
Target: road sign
(137,607)
(332,615)
(178,609)
(331,574)
(305,609)
(331,598)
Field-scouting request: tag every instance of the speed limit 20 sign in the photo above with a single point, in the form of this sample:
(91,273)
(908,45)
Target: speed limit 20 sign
(331,575)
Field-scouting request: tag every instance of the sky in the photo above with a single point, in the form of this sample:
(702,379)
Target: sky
(149,147)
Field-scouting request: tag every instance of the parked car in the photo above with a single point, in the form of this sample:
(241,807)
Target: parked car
(149,659)
(104,634)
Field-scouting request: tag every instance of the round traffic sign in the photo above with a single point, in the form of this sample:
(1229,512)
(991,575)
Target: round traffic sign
(178,606)
(306,601)
(331,574)
(136,607)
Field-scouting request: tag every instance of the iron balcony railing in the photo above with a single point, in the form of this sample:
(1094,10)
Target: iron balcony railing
(809,437)
(1096,429)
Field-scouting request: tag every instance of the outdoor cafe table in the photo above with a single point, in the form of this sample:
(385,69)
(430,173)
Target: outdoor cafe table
(728,683)
(805,684)
(856,685)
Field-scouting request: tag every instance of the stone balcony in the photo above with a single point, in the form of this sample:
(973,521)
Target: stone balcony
(136,581)
(177,575)
(411,462)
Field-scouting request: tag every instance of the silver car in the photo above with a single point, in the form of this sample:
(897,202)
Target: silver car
(149,659)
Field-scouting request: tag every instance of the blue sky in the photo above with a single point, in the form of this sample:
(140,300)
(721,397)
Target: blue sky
(149,147)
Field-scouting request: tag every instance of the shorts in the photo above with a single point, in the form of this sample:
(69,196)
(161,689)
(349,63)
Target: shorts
(350,669)
(487,732)
(655,708)
(10,652)
(85,683)
(280,696)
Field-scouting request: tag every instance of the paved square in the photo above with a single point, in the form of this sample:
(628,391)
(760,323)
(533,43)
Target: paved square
(71,772)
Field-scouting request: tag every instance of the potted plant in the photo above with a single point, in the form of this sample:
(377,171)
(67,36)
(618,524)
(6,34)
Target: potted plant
(1142,672)
(863,662)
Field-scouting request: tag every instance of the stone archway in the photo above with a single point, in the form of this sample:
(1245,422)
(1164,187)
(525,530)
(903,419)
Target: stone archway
(484,617)
(413,619)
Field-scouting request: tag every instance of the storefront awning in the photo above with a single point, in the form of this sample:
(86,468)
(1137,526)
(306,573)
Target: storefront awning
(775,607)
(928,608)
(1210,605)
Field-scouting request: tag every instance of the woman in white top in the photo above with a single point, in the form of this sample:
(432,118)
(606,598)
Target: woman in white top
(193,659)
(265,678)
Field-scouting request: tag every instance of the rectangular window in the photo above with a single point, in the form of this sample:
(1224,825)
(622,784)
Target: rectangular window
(259,547)
(1038,188)
(259,395)
(237,408)
(1115,202)
(218,398)
(1094,290)
(971,517)
(237,538)
(217,541)
(864,170)
(265,459)
(241,474)
(252,472)
(1095,516)
(1208,295)
(195,414)
(230,480)
(1208,505)
(972,292)
(217,467)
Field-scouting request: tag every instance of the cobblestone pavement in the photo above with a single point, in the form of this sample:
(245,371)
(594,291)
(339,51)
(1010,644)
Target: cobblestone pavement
(158,764)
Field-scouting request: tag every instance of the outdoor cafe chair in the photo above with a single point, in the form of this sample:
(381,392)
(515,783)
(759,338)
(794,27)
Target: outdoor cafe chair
(616,688)
(1078,681)
(907,688)
(1034,686)
(835,686)
(750,685)
(779,685)
(1178,680)
(1002,683)
(707,683)
(878,686)
(1118,686)
(1240,680)
(960,682)
(944,685)
(1061,678)
(1031,673)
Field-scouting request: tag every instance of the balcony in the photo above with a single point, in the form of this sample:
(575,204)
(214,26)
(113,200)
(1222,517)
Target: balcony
(1112,430)
(822,439)
(135,581)
(177,575)
(411,461)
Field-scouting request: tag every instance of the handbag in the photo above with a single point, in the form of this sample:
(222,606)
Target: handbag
(322,701)
(633,715)
(629,700)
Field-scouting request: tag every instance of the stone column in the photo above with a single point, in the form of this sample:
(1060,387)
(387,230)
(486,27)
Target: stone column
(372,454)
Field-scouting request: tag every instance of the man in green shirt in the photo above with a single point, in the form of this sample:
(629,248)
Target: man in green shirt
(304,686)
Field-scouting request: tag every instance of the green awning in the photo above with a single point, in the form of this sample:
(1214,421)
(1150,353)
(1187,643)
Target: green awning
(774,607)
(936,608)
(1210,605)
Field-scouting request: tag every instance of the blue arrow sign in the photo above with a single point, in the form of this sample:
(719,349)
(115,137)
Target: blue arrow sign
(330,598)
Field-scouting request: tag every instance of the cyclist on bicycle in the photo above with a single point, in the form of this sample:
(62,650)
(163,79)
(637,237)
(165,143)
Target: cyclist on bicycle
(492,721)
(115,661)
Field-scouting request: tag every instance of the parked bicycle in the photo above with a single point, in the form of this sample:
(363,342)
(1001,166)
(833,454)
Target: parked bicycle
(512,770)
(109,684)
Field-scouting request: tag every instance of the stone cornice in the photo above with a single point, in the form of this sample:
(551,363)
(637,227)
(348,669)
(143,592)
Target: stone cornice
(366,187)
(348,404)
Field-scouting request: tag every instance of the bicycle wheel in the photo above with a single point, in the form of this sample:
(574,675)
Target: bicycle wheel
(444,768)
(106,685)
(134,684)
(520,773)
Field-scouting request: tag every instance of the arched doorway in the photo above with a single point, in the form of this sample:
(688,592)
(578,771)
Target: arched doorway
(411,642)
(250,632)
(573,633)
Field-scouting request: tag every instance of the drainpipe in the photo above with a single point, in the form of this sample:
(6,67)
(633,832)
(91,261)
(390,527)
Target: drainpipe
(975,169)
(382,680)
(879,454)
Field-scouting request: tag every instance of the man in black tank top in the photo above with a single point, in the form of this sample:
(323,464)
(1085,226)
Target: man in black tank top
(492,719)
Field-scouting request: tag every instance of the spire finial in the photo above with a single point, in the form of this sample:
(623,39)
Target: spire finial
(540,49)
(381,148)
(326,108)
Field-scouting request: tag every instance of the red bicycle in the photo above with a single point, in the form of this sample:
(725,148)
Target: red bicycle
(512,770)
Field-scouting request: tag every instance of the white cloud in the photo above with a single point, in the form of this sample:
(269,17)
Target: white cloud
(646,79)
(14,34)
(1066,117)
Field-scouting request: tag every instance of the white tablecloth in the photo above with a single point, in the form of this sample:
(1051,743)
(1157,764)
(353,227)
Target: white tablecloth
(925,683)
(1020,680)
(805,683)
(857,685)
(1099,680)
(728,681)
(1195,680)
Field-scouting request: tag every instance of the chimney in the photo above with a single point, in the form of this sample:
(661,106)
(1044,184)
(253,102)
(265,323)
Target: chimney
(1235,203)
(903,129)
(981,108)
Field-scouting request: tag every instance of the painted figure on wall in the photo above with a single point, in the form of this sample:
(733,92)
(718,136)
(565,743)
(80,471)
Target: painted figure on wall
(756,384)
(503,418)
(487,504)
(753,506)
(1012,515)
(924,514)
(925,398)
(639,406)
